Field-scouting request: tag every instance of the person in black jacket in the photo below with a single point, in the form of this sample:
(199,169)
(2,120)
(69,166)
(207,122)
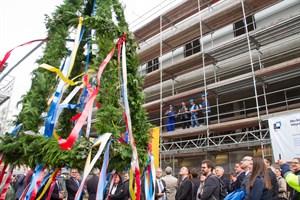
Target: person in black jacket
(196,182)
(160,186)
(126,185)
(185,189)
(275,187)
(73,183)
(92,184)
(117,192)
(219,172)
(211,189)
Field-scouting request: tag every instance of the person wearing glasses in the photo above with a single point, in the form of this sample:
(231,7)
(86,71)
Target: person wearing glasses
(246,165)
(73,183)
(292,176)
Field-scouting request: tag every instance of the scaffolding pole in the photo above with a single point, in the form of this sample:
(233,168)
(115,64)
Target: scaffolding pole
(253,73)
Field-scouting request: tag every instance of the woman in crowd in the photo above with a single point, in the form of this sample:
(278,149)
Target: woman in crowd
(282,191)
(259,184)
(117,192)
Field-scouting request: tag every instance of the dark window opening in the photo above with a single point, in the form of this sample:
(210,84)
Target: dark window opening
(192,48)
(152,65)
(239,26)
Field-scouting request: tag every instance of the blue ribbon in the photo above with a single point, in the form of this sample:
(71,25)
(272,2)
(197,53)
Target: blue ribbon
(45,179)
(50,121)
(101,184)
(34,179)
(16,129)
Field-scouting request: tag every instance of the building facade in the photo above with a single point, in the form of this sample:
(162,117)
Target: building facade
(243,56)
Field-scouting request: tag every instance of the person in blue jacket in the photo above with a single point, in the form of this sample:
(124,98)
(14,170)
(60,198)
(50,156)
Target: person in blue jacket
(259,184)
(171,118)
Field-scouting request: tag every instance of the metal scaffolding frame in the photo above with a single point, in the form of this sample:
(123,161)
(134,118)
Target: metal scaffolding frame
(259,73)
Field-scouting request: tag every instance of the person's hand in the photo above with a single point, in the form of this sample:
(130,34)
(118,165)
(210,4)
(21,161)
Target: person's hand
(160,194)
(61,195)
(280,162)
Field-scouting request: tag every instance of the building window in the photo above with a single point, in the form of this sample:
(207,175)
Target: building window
(192,48)
(239,26)
(152,65)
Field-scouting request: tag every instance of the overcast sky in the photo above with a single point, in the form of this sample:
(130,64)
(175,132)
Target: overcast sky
(23,20)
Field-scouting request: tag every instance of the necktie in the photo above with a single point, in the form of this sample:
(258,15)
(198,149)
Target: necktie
(161,188)
(76,181)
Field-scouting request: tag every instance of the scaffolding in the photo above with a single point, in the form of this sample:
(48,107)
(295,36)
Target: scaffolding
(6,89)
(250,74)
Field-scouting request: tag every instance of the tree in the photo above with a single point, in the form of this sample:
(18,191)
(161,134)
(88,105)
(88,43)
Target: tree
(108,22)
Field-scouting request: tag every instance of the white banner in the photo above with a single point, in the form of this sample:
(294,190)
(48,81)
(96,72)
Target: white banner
(285,135)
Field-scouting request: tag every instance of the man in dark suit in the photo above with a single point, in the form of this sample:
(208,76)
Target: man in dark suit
(160,186)
(126,184)
(185,189)
(58,192)
(211,188)
(220,173)
(240,175)
(73,183)
(92,184)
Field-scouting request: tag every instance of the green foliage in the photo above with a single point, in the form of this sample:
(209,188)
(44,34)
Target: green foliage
(30,149)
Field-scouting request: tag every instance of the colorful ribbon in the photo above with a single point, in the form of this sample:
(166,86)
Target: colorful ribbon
(101,183)
(6,182)
(102,141)
(9,52)
(53,115)
(67,144)
(32,190)
(134,161)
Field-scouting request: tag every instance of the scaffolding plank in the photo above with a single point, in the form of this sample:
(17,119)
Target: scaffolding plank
(218,19)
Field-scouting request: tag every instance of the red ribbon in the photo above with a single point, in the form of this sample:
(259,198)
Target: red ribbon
(9,52)
(2,173)
(35,190)
(52,185)
(67,144)
(7,182)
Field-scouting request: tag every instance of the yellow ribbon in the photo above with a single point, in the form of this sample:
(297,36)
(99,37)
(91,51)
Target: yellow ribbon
(76,45)
(59,73)
(47,185)
(131,190)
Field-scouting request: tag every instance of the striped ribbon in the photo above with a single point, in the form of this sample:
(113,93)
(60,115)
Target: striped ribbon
(52,116)
(101,182)
(67,144)
(46,181)
(32,190)
(6,182)
(149,178)
(102,141)
(53,179)
(134,161)
(2,173)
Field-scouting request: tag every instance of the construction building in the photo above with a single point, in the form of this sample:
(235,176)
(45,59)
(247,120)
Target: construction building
(6,88)
(244,55)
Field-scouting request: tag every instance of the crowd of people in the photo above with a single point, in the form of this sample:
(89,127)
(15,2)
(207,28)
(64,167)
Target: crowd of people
(254,178)
(189,115)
